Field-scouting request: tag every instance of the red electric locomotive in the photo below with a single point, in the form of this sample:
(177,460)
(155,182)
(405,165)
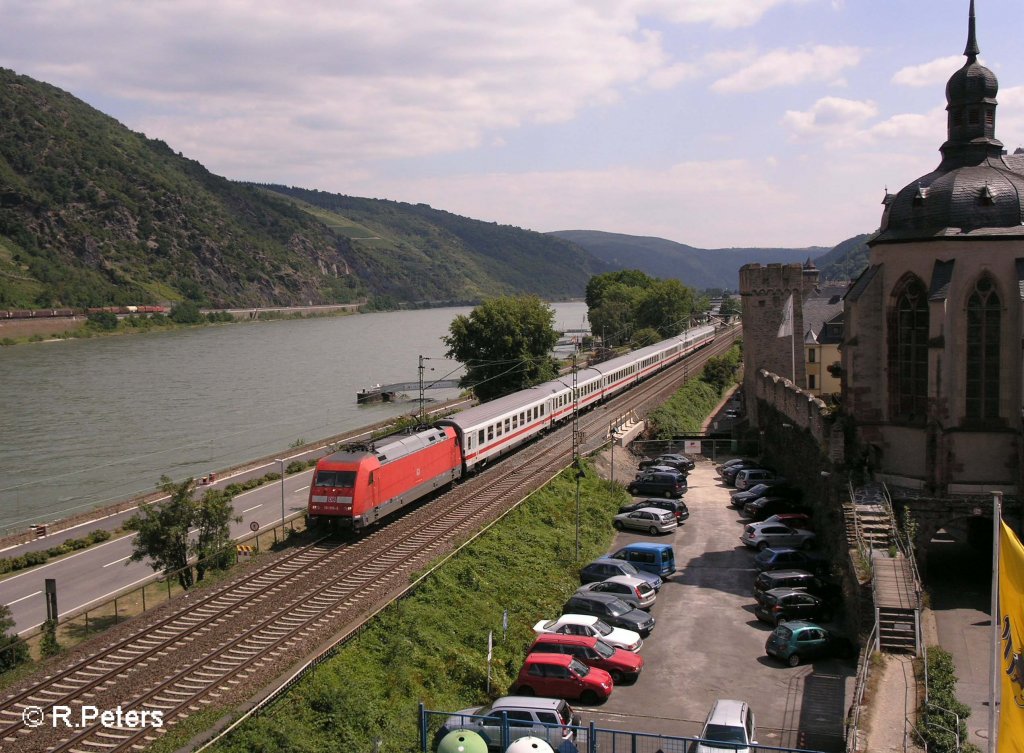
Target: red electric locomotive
(358,487)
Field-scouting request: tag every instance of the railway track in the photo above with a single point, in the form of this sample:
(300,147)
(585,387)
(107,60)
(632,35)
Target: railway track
(217,648)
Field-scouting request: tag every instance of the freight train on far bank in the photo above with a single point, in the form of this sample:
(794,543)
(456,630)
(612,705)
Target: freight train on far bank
(357,488)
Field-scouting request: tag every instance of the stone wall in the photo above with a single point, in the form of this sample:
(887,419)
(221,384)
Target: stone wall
(801,409)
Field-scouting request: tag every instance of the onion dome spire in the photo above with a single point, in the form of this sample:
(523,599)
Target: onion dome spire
(971,107)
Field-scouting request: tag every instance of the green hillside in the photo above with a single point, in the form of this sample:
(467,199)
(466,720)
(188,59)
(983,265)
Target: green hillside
(94,214)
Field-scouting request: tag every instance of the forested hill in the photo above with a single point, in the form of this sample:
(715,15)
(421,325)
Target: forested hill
(414,252)
(93,214)
(699,268)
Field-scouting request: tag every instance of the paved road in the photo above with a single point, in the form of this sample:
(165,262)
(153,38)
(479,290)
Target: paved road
(707,644)
(97,573)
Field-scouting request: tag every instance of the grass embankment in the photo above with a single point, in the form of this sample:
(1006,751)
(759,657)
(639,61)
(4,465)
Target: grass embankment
(685,411)
(432,646)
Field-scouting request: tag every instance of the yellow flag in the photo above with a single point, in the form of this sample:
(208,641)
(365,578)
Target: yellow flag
(1011,628)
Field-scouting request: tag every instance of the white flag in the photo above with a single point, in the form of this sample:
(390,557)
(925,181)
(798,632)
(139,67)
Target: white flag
(786,328)
(490,644)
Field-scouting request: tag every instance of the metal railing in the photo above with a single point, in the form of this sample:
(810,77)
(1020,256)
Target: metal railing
(860,687)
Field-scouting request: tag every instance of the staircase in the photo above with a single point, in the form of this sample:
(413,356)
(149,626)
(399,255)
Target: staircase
(895,587)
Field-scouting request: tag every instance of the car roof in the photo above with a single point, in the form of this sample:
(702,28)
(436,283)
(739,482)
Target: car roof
(571,618)
(645,546)
(786,591)
(562,638)
(629,580)
(526,701)
(789,574)
(541,657)
(596,596)
(657,510)
(727,711)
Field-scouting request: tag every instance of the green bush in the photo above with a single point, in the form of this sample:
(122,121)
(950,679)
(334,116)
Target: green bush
(103,320)
(936,722)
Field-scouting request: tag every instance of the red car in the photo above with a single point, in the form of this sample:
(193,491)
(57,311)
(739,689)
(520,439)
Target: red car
(622,665)
(562,676)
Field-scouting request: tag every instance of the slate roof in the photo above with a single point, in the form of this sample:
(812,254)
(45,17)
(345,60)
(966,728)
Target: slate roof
(823,307)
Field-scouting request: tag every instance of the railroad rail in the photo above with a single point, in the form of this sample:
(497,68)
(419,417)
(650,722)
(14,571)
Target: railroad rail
(217,648)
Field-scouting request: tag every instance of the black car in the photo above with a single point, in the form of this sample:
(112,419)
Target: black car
(659,484)
(774,487)
(674,460)
(675,505)
(612,610)
(783,604)
(765,507)
(794,580)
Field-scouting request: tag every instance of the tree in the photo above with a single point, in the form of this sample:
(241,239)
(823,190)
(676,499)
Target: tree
(212,546)
(505,344)
(730,307)
(104,320)
(665,306)
(185,312)
(13,649)
(162,531)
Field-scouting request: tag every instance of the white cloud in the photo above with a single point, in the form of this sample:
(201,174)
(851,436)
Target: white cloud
(727,14)
(934,73)
(830,116)
(820,63)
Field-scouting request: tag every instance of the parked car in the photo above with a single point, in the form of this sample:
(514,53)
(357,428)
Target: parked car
(659,483)
(765,507)
(612,610)
(677,506)
(605,567)
(763,535)
(792,519)
(550,719)
(634,591)
(682,462)
(749,477)
(729,474)
(562,676)
(658,559)
(784,604)
(622,665)
(795,580)
(785,558)
(649,519)
(731,462)
(588,624)
(729,726)
(797,641)
(661,469)
(778,487)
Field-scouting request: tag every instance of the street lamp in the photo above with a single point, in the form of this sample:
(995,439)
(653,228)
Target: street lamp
(281,461)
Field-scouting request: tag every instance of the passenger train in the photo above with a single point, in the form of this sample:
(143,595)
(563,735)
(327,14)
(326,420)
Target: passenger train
(358,487)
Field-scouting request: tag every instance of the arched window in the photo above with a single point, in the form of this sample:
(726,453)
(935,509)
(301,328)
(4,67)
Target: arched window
(908,353)
(982,378)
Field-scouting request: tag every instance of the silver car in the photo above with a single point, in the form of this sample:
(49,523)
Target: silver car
(650,519)
(760,536)
(634,591)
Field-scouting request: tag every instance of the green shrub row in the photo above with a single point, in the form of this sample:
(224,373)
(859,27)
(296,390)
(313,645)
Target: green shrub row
(941,730)
(685,411)
(432,645)
(30,559)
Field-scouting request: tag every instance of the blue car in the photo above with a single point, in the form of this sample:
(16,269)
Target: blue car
(785,558)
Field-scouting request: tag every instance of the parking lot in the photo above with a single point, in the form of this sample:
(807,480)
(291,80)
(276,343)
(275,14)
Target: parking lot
(708,644)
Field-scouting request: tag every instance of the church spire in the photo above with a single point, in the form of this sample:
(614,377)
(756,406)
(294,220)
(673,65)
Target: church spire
(971,50)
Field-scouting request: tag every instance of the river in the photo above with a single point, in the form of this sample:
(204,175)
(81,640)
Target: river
(84,423)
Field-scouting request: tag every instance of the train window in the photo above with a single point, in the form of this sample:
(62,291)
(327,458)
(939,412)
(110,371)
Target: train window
(480,436)
(507,422)
(515,422)
(499,432)
(523,418)
(341,479)
(490,433)
(469,442)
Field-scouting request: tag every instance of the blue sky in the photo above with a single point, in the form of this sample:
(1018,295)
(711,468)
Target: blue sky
(714,123)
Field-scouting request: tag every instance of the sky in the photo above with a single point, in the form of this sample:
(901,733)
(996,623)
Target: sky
(714,123)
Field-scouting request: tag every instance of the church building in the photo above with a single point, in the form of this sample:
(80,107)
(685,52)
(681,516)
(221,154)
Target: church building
(931,359)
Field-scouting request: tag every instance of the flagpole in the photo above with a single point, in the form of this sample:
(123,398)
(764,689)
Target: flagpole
(997,518)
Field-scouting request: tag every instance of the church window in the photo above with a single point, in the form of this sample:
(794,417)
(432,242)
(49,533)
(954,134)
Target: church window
(908,353)
(973,116)
(983,325)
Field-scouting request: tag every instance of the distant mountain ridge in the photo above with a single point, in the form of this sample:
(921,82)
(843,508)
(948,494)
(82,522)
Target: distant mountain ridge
(700,268)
